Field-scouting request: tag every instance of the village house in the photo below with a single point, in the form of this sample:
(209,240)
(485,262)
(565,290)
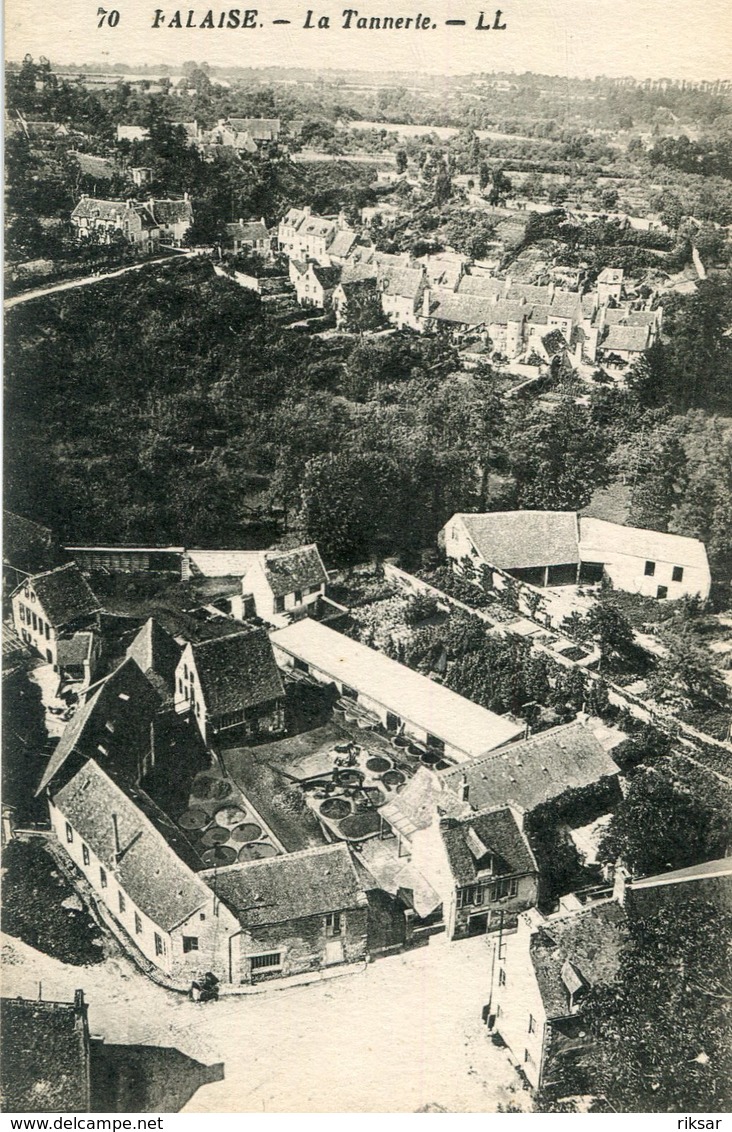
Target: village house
(77,658)
(165,909)
(249,235)
(156,653)
(281,584)
(297,913)
(354,291)
(652,563)
(141,174)
(551,548)
(173,218)
(45,1066)
(482,868)
(522,775)
(610,285)
(403,701)
(543,973)
(114,724)
(229,682)
(51,605)
(401,290)
(259,129)
(134,222)
(314,285)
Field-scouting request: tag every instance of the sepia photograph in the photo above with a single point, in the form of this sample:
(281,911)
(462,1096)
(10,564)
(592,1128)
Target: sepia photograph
(367,560)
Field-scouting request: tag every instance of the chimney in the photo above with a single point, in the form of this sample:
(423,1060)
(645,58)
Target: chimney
(117,846)
(426,303)
(464,790)
(79,1004)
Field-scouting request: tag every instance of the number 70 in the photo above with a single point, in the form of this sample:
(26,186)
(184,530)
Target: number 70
(111,19)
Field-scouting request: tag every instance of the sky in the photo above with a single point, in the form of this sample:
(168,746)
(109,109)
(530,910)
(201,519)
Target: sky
(678,39)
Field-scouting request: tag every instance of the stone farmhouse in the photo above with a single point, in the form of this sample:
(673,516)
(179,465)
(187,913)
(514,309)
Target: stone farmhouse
(105,219)
(550,548)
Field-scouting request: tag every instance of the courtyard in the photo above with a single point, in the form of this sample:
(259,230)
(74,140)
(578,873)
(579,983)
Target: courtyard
(404,1034)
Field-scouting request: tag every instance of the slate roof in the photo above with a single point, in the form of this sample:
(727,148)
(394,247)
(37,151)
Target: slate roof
(514,540)
(539,315)
(503,312)
(496,831)
(150,872)
(529,292)
(317,226)
(294,570)
(93,208)
(532,771)
(121,700)
(624,316)
(601,541)
(45,1056)
(171,211)
(294,217)
(64,594)
(591,943)
(273,891)
(327,276)
(237,671)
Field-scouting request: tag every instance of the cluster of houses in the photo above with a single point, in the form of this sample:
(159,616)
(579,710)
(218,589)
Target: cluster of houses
(245,135)
(144,224)
(329,263)
(450,851)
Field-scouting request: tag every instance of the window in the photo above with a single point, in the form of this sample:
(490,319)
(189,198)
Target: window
(41,625)
(333,923)
(21,611)
(138,923)
(35,621)
(298,597)
(122,902)
(502,977)
(505,888)
(528,1059)
(532,1024)
(279,605)
(677,574)
(662,591)
(266,962)
(103,878)
(314,590)
(159,945)
(85,854)
(190,943)
(48,632)
(69,833)
(202,916)
(650,569)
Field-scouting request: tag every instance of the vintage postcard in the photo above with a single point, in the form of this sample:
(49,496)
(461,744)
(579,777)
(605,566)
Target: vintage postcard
(367,558)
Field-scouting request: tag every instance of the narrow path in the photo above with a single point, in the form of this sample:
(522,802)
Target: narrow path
(86,280)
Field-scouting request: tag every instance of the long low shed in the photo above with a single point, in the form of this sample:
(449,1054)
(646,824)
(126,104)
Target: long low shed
(402,699)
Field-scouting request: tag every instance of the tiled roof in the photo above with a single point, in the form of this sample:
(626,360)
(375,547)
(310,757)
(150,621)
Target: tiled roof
(248,231)
(495,831)
(529,292)
(273,891)
(633,338)
(26,544)
(108,718)
(465,310)
(533,771)
(237,671)
(611,275)
(415,807)
(74,650)
(601,541)
(93,208)
(484,285)
(64,594)
(539,314)
(403,281)
(514,540)
(171,211)
(45,1059)
(155,650)
(342,242)
(503,312)
(566,304)
(261,129)
(357,273)
(588,943)
(294,570)
(147,868)
(294,217)
(317,226)
(327,276)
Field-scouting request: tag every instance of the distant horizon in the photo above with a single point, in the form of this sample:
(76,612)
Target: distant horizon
(580,39)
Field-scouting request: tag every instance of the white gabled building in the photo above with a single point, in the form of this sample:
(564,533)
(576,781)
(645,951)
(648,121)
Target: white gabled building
(53,604)
(651,563)
(282,583)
